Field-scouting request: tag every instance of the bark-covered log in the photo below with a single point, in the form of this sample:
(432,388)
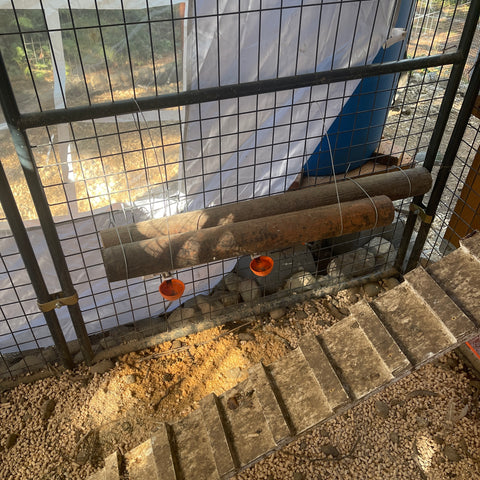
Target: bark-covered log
(396,185)
(253,236)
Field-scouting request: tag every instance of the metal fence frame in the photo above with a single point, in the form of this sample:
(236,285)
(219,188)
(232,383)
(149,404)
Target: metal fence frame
(20,123)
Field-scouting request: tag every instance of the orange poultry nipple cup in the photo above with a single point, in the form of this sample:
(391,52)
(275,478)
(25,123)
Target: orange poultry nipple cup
(261,266)
(172,289)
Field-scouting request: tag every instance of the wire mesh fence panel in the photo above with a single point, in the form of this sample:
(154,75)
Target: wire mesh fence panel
(103,174)
(457,215)
(26,344)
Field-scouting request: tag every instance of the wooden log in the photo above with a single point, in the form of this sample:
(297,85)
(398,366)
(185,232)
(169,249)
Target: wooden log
(163,253)
(396,185)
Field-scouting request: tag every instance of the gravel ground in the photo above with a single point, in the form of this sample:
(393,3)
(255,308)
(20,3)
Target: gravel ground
(425,426)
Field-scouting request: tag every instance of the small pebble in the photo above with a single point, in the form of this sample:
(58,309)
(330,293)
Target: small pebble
(131,378)
(390,283)
(102,366)
(11,440)
(451,454)
(344,311)
(353,294)
(82,457)
(330,449)
(176,344)
(47,408)
(372,289)
(298,476)
(300,315)
(422,422)
(382,408)
(395,437)
(335,311)
(246,337)
(277,313)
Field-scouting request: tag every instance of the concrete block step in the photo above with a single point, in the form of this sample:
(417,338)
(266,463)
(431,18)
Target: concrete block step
(110,471)
(377,344)
(458,274)
(193,452)
(152,460)
(335,392)
(420,334)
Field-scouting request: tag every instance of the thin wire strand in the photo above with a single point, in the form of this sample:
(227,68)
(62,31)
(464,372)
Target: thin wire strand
(123,251)
(335,180)
(369,197)
(408,179)
(166,193)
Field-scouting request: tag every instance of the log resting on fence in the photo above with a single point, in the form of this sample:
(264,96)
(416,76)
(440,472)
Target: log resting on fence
(168,253)
(396,185)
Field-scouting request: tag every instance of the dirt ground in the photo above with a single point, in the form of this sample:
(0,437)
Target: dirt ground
(426,426)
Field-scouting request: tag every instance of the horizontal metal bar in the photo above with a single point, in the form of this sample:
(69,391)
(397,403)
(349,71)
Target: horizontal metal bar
(100,110)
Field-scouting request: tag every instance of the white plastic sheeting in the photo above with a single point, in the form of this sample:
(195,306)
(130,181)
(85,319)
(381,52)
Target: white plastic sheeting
(283,129)
(233,149)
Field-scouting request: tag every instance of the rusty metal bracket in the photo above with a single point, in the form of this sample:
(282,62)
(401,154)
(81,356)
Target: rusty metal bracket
(420,211)
(57,301)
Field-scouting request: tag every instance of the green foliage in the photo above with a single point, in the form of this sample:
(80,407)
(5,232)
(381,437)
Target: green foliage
(25,47)
(98,37)
(103,37)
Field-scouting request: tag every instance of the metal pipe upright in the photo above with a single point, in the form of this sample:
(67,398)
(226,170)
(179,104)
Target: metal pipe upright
(27,161)
(447,103)
(7,200)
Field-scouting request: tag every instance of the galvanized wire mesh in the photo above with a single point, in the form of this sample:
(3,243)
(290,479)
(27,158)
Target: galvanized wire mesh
(115,170)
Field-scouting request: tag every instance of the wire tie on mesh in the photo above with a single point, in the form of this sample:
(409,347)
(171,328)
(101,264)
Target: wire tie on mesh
(420,211)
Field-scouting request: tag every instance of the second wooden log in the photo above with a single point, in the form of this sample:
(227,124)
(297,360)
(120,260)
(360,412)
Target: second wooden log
(163,253)
(396,185)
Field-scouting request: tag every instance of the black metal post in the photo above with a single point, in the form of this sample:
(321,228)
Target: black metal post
(25,155)
(24,245)
(99,110)
(447,103)
(447,163)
